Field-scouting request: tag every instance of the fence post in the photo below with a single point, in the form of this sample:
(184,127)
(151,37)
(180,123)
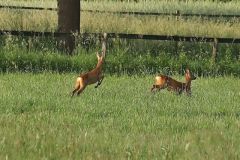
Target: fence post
(177,42)
(177,15)
(68,22)
(215,49)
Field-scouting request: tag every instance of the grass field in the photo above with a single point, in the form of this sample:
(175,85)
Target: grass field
(119,120)
(166,25)
(169,6)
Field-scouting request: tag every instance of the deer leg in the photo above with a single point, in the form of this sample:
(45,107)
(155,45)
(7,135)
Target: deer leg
(153,88)
(80,90)
(99,81)
(74,91)
(189,93)
(178,91)
(158,87)
(77,87)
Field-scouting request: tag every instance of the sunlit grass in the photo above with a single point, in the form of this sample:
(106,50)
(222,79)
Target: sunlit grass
(32,3)
(160,25)
(90,22)
(166,6)
(28,20)
(169,6)
(121,119)
(47,21)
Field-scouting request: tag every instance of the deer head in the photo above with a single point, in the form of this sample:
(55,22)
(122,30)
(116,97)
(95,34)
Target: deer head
(100,57)
(189,76)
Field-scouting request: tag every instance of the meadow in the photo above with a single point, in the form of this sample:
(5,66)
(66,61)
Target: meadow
(162,6)
(119,120)
(130,59)
(165,25)
(33,20)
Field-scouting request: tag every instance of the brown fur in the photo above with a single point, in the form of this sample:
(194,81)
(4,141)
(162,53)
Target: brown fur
(93,76)
(162,82)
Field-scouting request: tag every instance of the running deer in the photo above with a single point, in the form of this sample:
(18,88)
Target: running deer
(93,76)
(162,82)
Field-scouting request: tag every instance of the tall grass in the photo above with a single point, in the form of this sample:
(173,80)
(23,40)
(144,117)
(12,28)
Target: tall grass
(37,3)
(47,21)
(166,6)
(123,57)
(160,25)
(119,120)
(90,22)
(169,6)
(28,20)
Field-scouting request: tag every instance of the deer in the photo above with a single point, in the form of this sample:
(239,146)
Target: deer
(163,81)
(93,76)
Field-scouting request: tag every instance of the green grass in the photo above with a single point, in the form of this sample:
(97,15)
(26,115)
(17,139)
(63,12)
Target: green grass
(47,21)
(166,6)
(160,25)
(123,57)
(119,120)
(37,3)
(169,6)
(165,25)
(126,58)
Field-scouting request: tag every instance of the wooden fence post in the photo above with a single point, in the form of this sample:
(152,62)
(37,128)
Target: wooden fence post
(68,22)
(215,49)
(177,15)
(177,42)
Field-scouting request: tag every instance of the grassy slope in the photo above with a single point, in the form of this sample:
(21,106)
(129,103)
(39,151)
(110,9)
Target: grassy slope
(120,119)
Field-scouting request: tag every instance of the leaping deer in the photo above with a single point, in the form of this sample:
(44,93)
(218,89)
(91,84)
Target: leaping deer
(162,82)
(93,76)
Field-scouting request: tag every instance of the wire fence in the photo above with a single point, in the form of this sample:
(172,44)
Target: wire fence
(125,36)
(177,13)
(214,40)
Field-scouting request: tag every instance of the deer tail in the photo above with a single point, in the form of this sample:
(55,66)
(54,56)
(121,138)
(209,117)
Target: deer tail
(77,86)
